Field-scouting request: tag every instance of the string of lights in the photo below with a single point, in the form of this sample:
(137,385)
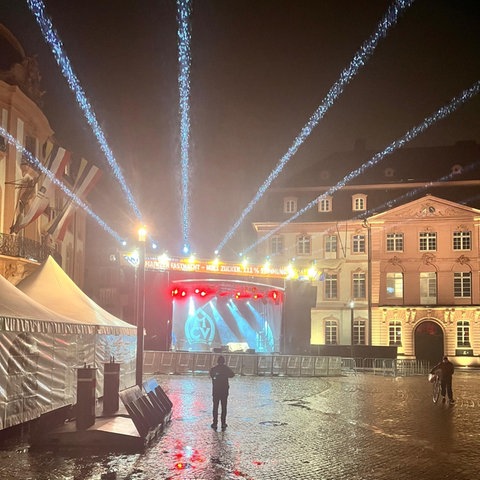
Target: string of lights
(359,60)
(37,164)
(443,112)
(184,60)
(37,7)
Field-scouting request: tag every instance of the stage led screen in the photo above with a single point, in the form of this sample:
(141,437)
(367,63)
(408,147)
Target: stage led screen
(204,324)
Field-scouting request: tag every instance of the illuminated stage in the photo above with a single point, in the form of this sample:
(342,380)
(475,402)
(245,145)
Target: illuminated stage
(211,314)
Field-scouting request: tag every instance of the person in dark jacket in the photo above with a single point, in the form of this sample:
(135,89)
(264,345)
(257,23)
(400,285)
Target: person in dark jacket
(444,370)
(220,374)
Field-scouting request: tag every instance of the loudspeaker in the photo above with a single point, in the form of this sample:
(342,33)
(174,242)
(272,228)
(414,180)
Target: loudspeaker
(250,350)
(300,297)
(217,350)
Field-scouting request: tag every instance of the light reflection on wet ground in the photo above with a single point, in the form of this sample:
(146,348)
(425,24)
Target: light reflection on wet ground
(355,427)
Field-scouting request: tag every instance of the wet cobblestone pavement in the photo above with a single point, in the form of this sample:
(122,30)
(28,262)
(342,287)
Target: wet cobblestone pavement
(354,427)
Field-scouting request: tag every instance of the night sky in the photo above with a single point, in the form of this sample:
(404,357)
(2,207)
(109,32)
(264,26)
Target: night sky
(260,68)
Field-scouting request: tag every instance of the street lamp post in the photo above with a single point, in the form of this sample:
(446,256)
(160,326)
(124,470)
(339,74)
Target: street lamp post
(352,306)
(140,313)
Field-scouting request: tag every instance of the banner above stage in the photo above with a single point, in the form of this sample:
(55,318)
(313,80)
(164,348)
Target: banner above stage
(162,263)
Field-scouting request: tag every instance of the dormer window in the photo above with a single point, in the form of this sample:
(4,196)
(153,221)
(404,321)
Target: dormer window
(359,202)
(289,205)
(325,204)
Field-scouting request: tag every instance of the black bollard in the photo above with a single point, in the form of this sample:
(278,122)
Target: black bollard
(85,408)
(111,387)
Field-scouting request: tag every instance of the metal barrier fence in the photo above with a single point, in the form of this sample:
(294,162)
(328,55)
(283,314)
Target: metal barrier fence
(178,363)
(191,363)
(391,366)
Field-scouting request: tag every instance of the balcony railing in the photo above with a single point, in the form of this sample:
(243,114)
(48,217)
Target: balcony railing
(17,246)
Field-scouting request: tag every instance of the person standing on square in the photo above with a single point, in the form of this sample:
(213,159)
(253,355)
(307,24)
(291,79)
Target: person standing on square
(220,374)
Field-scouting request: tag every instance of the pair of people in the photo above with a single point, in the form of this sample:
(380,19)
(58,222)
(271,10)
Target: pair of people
(220,374)
(445,370)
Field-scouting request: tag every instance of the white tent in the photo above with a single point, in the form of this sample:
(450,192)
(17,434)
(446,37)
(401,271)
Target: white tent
(51,286)
(39,350)
(114,338)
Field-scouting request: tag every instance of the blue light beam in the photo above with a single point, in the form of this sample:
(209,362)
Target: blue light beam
(36,163)
(37,7)
(184,60)
(443,112)
(359,60)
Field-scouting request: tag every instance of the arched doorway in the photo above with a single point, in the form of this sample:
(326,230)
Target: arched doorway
(429,342)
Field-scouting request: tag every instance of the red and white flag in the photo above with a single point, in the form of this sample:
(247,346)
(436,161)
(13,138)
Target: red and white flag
(27,212)
(85,181)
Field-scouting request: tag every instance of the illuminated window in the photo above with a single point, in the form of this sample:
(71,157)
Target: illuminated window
(359,203)
(304,245)
(428,288)
(276,245)
(395,333)
(428,241)
(359,285)
(395,285)
(331,243)
(359,332)
(330,285)
(289,205)
(394,242)
(331,332)
(462,284)
(358,244)
(463,334)
(325,204)
(462,241)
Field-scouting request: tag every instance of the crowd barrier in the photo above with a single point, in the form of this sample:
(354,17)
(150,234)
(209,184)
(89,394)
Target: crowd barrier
(390,366)
(197,363)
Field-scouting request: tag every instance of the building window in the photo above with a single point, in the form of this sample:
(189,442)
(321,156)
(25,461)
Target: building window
(325,204)
(395,333)
(428,241)
(359,285)
(289,205)
(462,284)
(462,241)
(276,245)
(331,332)
(428,288)
(304,245)
(331,244)
(395,285)
(331,284)
(463,334)
(394,242)
(359,332)
(30,146)
(359,203)
(358,244)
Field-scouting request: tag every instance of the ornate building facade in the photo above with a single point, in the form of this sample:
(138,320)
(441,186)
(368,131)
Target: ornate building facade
(396,253)
(36,218)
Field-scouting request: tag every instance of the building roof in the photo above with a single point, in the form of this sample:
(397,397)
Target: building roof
(449,172)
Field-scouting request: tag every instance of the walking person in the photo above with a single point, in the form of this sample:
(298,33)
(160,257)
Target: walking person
(220,374)
(445,370)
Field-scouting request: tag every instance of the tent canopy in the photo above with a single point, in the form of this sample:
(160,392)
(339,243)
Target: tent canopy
(20,313)
(52,287)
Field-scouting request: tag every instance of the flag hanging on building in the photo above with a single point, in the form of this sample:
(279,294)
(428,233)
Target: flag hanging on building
(86,179)
(32,203)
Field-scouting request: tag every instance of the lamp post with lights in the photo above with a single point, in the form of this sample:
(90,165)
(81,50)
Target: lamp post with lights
(351,304)
(140,310)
